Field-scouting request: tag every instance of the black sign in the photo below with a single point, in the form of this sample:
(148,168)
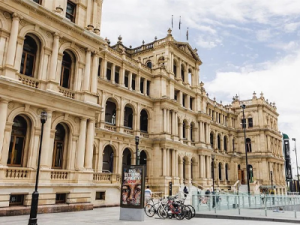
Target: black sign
(288,166)
(170,188)
(133,187)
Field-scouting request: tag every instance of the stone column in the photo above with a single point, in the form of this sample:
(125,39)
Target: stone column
(89,144)
(113,73)
(168,161)
(137,83)
(181,171)
(164,161)
(95,8)
(103,67)
(54,56)
(165,120)
(173,163)
(208,167)
(180,130)
(95,74)
(47,152)
(122,75)
(130,80)
(3,115)
(12,43)
(87,71)
(145,86)
(81,145)
(176,124)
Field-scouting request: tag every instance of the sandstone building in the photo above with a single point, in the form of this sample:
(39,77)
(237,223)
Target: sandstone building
(98,97)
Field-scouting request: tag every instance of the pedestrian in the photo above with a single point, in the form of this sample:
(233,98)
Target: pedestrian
(185,191)
(148,195)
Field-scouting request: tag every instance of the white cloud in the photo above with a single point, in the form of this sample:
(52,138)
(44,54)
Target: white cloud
(263,35)
(291,27)
(279,81)
(206,43)
(290,46)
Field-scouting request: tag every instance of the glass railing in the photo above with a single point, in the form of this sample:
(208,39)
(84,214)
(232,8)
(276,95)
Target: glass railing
(247,205)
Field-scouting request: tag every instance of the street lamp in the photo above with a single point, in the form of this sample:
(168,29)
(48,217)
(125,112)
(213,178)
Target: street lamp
(294,139)
(35,194)
(137,160)
(243,106)
(213,177)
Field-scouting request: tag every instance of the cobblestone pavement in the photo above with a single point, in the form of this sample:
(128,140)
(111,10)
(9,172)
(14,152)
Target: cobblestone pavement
(110,216)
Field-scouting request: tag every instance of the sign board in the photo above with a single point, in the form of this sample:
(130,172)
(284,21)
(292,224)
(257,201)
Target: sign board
(133,187)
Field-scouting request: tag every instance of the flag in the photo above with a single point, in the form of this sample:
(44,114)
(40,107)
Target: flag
(172,21)
(179,22)
(187,34)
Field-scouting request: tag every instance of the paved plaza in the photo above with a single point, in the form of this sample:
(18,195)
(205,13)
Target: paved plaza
(110,216)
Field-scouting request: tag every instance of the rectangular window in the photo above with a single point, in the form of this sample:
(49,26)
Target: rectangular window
(71,11)
(133,82)
(250,122)
(243,122)
(99,68)
(183,100)
(60,198)
(176,92)
(108,73)
(126,79)
(100,195)
(117,75)
(148,87)
(16,199)
(191,103)
(38,1)
(142,85)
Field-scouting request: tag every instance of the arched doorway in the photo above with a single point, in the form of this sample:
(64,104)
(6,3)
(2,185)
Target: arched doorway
(108,160)
(126,160)
(110,112)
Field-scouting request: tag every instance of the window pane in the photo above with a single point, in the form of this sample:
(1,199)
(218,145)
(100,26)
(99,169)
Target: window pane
(66,75)
(59,154)
(22,63)
(29,65)
(18,151)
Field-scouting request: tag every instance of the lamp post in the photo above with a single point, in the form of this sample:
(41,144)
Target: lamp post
(35,194)
(213,177)
(137,160)
(294,139)
(243,106)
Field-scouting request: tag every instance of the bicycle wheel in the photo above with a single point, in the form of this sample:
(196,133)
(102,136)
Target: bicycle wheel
(149,210)
(180,215)
(193,211)
(187,212)
(162,212)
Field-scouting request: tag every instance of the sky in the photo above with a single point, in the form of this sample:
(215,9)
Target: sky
(245,46)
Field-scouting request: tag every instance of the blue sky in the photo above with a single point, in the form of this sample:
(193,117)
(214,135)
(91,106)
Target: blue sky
(245,45)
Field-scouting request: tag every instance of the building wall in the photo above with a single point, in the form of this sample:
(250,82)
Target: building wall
(175,132)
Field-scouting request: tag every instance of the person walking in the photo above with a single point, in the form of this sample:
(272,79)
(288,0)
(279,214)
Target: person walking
(185,191)
(148,194)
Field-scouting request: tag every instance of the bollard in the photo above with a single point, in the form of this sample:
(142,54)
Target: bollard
(227,197)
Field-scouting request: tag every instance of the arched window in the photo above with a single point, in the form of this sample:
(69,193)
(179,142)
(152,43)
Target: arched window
(108,160)
(110,112)
(59,146)
(128,117)
(219,142)
(28,57)
(226,171)
(225,144)
(66,71)
(149,64)
(144,121)
(126,157)
(212,140)
(17,142)
(248,145)
(233,144)
(220,171)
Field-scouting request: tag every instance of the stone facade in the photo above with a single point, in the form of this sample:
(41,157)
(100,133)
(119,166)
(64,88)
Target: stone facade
(98,97)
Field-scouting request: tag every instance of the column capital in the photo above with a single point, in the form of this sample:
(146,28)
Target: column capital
(16,16)
(4,100)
